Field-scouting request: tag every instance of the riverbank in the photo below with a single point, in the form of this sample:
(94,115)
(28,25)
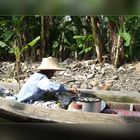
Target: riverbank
(82,74)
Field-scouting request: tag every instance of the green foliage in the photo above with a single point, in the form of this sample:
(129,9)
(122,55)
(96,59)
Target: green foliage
(2,44)
(15,28)
(16,50)
(113,18)
(69,37)
(31,44)
(81,42)
(7,35)
(127,32)
(62,34)
(126,36)
(132,25)
(17,20)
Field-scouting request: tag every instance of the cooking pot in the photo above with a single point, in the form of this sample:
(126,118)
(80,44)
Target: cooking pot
(90,104)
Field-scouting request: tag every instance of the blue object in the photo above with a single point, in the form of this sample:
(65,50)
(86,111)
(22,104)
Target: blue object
(36,86)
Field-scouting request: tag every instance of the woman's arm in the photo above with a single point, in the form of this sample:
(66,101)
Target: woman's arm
(48,85)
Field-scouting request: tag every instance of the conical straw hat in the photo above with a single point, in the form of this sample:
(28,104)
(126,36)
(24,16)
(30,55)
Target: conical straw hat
(49,63)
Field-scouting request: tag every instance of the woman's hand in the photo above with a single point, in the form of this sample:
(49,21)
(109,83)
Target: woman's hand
(73,90)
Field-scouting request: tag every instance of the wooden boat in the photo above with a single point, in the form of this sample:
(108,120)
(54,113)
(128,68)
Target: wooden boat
(20,112)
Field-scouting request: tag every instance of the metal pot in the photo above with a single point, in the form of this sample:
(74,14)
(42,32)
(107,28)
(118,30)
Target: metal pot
(90,104)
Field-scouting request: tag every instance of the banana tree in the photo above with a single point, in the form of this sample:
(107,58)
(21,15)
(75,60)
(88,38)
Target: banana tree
(119,38)
(18,52)
(132,27)
(83,44)
(23,29)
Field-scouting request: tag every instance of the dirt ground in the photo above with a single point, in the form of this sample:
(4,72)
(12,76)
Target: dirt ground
(82,74)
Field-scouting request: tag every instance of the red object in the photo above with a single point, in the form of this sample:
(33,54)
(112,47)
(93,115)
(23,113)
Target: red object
(122,112)
(76,106)
(127,113)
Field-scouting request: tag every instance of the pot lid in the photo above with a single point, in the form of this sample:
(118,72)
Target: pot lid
(88,99)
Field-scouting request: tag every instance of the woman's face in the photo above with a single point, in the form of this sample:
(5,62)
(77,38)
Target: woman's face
(50,73)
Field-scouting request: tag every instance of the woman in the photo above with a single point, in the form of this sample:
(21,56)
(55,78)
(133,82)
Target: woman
(39,83)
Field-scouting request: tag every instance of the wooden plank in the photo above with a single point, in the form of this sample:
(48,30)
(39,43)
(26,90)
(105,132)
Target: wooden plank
(116,105)
(136,107)
(61,116)
(124,106)
(106,95)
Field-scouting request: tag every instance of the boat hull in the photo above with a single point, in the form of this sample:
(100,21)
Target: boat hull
(21,112)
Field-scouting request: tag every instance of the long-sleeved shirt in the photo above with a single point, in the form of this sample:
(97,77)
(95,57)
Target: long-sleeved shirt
(36,86)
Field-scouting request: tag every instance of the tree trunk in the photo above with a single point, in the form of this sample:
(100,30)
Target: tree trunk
(25,36)
(116,61)
(43,36)
(112,40)
(49,25)
(116,44)
(97,38)
(61,49)
(46,24)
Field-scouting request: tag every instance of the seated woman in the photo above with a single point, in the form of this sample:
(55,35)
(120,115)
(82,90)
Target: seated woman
(40,83)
